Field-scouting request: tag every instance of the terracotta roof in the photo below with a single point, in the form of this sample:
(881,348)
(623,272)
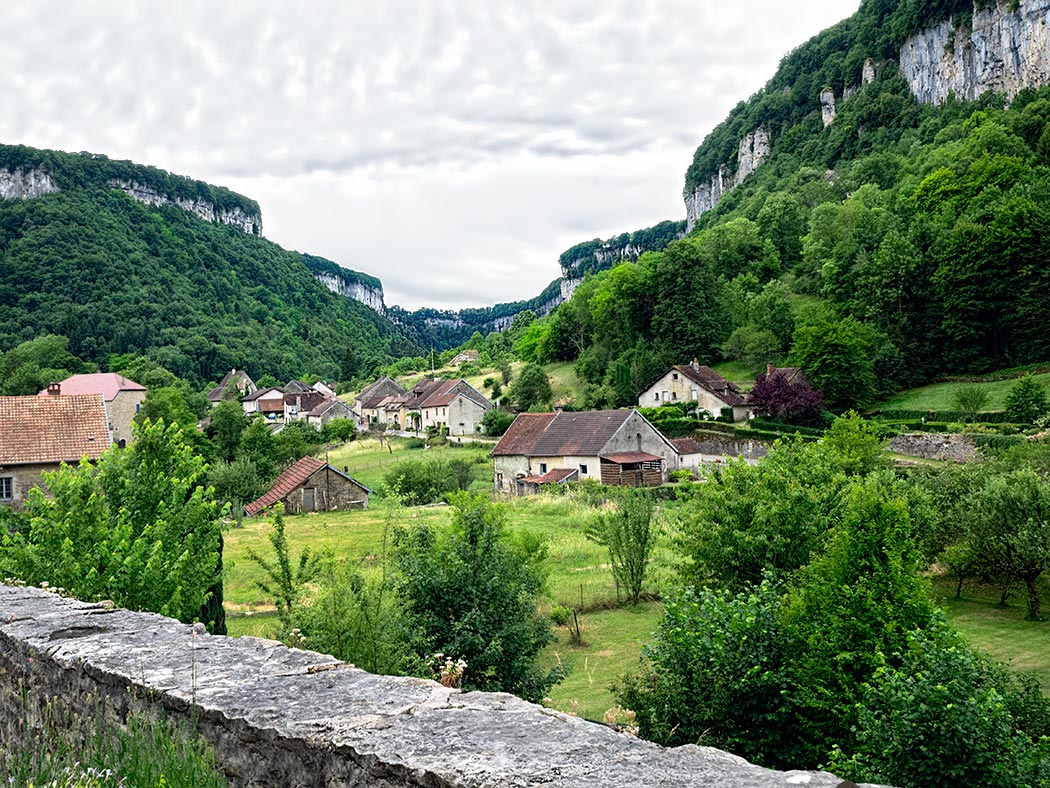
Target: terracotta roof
(52,429)
(523,432)
(708,379)
(305,400)
(627,457)
(271,406)
(299,472)
(556,476)
(686,446)
(108,384)
(559,434)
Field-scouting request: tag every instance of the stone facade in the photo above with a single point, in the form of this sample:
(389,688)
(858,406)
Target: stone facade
(282,717)
(121,412)
(326,490)
(22,478)
(936,446)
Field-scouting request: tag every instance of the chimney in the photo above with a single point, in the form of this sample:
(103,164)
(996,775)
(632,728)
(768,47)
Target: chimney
(769,368)
(54,389)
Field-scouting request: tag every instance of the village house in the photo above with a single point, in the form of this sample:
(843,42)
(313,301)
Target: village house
(452,405)
(370,401)
(312,485)
(616,447)
(326,411)
(267,402)
(697,384)
(791,375)
(297,403)
(123,398)
(41,433)
(235,384)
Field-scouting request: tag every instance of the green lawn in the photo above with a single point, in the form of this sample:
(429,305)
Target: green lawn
(368,461)
(939,396)
(578,571)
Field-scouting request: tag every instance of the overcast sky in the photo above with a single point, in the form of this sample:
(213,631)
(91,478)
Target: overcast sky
(452,149)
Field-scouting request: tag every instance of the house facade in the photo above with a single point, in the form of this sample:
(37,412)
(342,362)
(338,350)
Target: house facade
(370,402)
(312,485)
(41,433)
(695,383)
(326,411)
(268,402)
(123,398)
(616,447)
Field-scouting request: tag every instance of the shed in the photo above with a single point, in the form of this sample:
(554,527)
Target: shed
(312,485)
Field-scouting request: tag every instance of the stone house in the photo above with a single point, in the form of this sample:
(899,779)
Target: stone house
(312,485)
(368,403)
(42,433)
(123,398)
(452,405)
(695,383)
(298,403)
(616,447)
(326,411)
(236,380)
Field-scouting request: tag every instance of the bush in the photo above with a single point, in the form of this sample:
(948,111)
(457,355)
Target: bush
(1026,401)
(429,481)
(681,475)
(561,615)
(496,421)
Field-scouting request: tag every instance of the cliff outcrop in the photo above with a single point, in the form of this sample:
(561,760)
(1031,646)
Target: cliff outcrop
(22,184)
(1004,50)
(751,152)
(236,216)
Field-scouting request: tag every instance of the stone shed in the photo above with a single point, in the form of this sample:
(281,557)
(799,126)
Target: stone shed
(312,485)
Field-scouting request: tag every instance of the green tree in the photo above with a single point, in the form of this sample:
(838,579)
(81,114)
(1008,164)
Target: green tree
(496,421)
(836,355)
(225,426)
(140,528)
(856,444)
(472,591)
(1026,401)
(531,389)
(285,580)
(1009,519)
(629,534)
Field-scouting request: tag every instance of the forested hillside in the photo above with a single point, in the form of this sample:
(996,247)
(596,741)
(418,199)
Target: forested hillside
(117,276)
(880,248)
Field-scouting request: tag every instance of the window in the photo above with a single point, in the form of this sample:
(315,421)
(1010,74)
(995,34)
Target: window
(7,488)
(674,395)
(656,396)
(543,467)
(583,470)
(674,376)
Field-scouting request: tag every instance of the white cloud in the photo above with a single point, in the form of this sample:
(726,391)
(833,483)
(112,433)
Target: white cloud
(452,149)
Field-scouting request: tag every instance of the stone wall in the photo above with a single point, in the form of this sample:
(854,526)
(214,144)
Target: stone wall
(936,446)
(278,716)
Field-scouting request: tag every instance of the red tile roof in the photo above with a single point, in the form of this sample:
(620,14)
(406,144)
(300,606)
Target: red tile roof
(555,476)
(52,429)
(628,457)
(300,471)
(108,384)
(523,433)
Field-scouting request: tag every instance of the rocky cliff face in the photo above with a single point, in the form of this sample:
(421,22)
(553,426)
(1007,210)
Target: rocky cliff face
(369,296)
(753,149)
(250,223)
(1007,50)
(25,184)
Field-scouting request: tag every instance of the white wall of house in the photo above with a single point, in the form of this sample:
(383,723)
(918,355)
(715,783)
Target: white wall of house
(464,416)
(637,434)
(676,387)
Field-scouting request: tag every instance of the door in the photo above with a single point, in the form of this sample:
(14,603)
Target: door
(308,499)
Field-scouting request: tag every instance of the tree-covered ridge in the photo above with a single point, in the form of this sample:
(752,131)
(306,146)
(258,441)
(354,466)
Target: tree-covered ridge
(597,255)
(116,276)
(321,265)
(788,107)
(924,251)
(95,171)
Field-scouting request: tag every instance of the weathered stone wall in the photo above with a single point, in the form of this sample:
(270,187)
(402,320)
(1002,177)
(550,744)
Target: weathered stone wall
(279,716)
(936,446)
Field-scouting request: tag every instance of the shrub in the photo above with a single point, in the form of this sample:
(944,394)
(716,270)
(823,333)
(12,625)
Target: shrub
(429,481)
(1026,401)
(561,615)
(681,475)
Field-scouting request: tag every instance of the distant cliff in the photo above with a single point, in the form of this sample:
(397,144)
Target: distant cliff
(955,48)
(366,289)
(1004,49)
(28,173)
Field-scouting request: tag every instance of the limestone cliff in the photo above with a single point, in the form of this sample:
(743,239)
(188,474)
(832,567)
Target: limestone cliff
(752,150)
(236,216)
(1006,49)
(22,184)
(369,296)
